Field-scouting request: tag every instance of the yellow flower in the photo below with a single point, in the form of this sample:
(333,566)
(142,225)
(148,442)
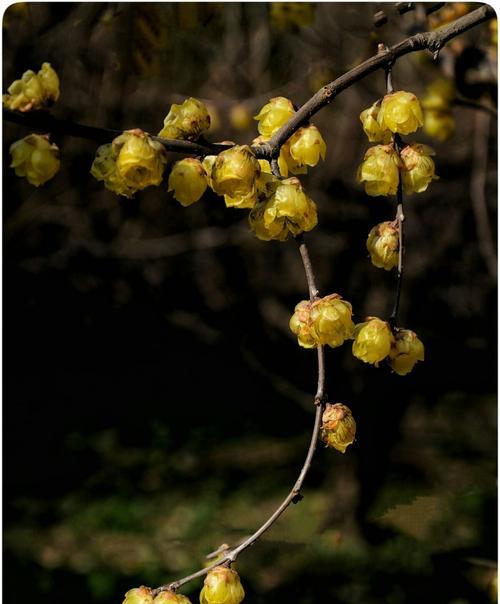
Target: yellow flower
(439,124)
(400,112)
(419,169)
(338,427)
(33,91)
(273,115)
(234,175)
(208,163)
(379,170)
(439,95)
(240,117)
(331,321)
(170,597)
(104,168)
(138,595)
(383,245)
(373,130)
(222,585)
(288,212)
(188,181)
(406,350)
(186,121)
(307,146)
(372,340)
(300,324)
(286,163)
(35,158)
(139,160)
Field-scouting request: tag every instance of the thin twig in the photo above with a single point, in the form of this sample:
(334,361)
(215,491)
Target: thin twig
(474,105)
(306,261)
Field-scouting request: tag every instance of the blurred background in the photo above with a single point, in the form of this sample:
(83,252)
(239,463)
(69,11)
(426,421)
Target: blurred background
(156,404)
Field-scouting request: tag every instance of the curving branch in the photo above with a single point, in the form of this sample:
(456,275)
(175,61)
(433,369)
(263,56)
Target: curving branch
(431,40)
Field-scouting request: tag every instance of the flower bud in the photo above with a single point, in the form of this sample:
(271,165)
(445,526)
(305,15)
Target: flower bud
(439,124)
(234,175)
(139,160)
(419,169)
(35,158)
(307,146)
(372,341)
(188,181)
(383,245)
(186,121)
(300,324)
(379,170)
(33,91)
(208,163)
(439,95)
(338,427)
(331,320)
(222,585)
(288,212)
(170,597)
(274,115)
(400,112)
(406,350)
(139,595)
(104,168)
(373,130)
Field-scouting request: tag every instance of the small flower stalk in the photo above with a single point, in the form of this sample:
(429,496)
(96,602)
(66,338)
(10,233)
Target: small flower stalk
(186,121)
(325,321)
(383,245)
(33,90)
(373,340)
(188,181)
(287,213)
(406,351)
(35,158)
(222,585)
(338,428)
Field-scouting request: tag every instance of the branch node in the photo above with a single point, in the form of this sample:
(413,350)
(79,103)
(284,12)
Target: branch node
(297,497)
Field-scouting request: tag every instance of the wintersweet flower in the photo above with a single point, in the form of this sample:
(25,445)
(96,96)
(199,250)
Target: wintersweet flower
(33,90)
(374,131)
(234,175)
(273,115)
(139,160)
(439,124)
(187,121)
(380,170)
(419,169)
(300,325)
(171,597)
(307,146)
(288,212)
(383,245)
(35,158)
(331,321)
(222,585)
(139,595)
(400,112)
(338,428)
(372,341)
(188,181)
(439,95)
(406,350)
(104,169)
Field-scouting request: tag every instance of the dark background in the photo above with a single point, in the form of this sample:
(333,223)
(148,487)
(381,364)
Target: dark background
(156,404)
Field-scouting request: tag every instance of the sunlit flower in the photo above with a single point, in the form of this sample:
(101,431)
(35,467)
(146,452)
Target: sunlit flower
(331,321)
(383,245)
(222,585)
(372,341)
(234,175)
(273,115)
(188,181)
(186,121)
(300,325)
(374,131)
(139,595)
(338,428)
(439,124)
(406,350)
(104,169)
(380,170)
(400,112)
(419,169)
(140,161)
(33,90)
(307,146)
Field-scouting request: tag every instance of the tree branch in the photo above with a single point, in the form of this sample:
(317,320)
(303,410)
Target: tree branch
(431,40)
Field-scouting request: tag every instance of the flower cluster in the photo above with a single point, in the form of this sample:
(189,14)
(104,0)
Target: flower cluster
(324,321)
(133,161)
(222,585)
(35,158)
(398,113)
(437,103)
(374,341)
(33,90)
(338,426)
